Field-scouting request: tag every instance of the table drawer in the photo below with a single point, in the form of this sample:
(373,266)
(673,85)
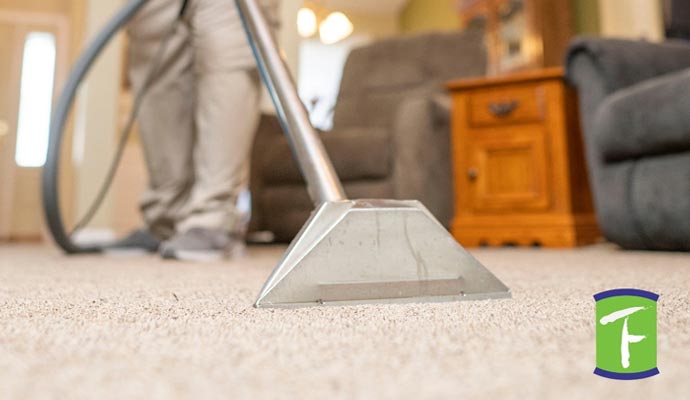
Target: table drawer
(507,105)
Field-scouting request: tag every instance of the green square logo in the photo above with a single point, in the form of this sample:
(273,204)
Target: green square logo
(626,334)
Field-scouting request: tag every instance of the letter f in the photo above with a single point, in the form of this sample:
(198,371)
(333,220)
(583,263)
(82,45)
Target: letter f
(626,337)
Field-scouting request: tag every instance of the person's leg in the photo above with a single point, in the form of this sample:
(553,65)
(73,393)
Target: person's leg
(226,115)
(166,119)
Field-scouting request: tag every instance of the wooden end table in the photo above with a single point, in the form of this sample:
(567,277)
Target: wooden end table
(519,171)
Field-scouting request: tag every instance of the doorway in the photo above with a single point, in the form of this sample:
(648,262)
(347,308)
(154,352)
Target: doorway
(34,47)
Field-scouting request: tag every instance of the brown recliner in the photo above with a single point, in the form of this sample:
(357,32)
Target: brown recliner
(390,136)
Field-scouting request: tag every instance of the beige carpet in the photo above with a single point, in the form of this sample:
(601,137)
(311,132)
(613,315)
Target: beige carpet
(99,328)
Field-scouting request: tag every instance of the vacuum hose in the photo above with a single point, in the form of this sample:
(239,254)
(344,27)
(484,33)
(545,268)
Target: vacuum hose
(50,182)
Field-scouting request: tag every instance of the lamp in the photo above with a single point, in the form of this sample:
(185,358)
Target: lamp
(335,27)
(307,24)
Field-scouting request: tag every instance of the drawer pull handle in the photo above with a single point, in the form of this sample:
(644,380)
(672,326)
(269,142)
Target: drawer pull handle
(503,108)
(472,174)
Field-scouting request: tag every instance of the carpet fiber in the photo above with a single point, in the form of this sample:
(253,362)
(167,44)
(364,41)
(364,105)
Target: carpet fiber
(95,327)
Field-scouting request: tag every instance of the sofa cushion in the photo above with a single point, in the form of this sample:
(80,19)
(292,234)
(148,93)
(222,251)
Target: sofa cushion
(377,77)
(389,63)
(356,153)
(378,108)
(646,119)
(414,59)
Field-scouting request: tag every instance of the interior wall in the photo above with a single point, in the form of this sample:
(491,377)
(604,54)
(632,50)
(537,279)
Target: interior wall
(289,41)
(46,6)
(425,15)
(287,36)
(375,25)
(96,115)
(421,15)
(622,18)
(635,19)
(586,14)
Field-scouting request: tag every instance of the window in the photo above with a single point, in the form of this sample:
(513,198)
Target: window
(320,71)
(35,99)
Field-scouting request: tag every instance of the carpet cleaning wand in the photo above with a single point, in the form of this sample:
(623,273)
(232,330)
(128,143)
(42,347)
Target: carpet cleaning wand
(355,251)
(349,251)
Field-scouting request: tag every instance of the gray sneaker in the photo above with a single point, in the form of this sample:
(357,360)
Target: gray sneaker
(200,244)
(138,242)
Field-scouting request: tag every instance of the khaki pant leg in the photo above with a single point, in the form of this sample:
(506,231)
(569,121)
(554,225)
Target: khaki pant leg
(166,119)
(227,114)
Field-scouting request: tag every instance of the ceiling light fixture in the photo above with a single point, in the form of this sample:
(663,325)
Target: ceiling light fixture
(335,27)
(307,24)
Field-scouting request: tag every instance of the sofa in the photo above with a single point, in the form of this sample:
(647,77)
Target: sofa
(390,136)
(635,113)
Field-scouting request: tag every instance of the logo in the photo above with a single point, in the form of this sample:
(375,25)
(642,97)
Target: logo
(626,334)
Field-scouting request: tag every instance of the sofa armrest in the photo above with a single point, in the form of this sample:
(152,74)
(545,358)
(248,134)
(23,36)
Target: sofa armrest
(645,119)
(622,63)
(598,67)
(421,160)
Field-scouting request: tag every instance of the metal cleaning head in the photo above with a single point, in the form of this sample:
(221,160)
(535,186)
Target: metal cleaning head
(355,251)
(376,251)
